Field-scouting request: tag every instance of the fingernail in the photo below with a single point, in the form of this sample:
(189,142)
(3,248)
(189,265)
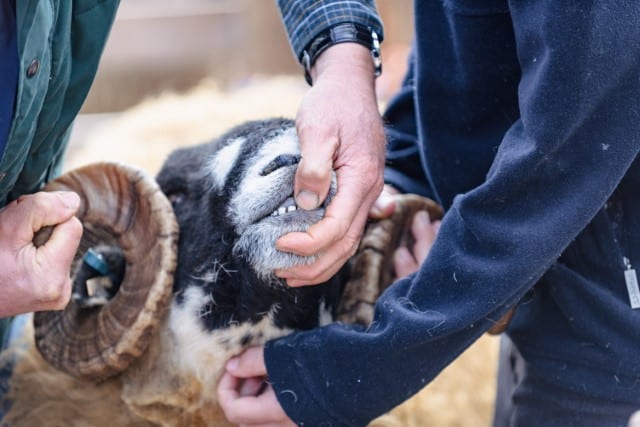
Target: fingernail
(232,364)
(70,199)
(307,200)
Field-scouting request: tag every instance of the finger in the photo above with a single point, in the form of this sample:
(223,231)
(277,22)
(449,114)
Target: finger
(385,204)
(63,243)
(313,176)
(404,263)
(424,234)
(383,207)
(343,214)
(252,386)
(316,239)
(39,210)
(318,272)
(228,388)
(54,259)
(53,208)
(262,409)
(248,364)
(60,302)
(327,264)
(312,182)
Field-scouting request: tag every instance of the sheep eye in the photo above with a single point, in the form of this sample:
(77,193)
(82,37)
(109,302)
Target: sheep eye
(280,162)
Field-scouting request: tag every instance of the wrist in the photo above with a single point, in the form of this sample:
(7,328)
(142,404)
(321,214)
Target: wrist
(362,43)
(344,61)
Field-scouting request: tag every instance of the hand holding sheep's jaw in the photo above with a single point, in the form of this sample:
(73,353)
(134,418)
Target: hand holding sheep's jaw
(262,208)
(257,243)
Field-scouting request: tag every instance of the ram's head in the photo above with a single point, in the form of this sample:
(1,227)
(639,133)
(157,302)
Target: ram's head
(231,199)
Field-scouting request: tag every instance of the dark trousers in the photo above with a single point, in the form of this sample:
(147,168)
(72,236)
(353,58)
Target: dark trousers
(524,400)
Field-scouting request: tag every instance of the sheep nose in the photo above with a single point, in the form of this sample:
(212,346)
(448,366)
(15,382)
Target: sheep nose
(279,162)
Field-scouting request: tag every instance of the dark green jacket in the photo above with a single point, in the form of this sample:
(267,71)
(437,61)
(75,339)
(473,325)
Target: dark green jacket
(59,46)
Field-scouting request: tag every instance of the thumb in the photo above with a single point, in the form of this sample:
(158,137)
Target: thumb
(312,181)
(313,176)
(52,208)
(248,364)
(33,212)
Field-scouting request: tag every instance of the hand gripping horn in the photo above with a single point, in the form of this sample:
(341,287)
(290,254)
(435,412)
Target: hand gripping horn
(372,267)
(120,206)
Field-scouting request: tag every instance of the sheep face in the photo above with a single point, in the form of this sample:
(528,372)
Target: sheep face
(233,199)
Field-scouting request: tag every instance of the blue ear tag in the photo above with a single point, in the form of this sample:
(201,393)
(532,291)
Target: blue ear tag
(96,261)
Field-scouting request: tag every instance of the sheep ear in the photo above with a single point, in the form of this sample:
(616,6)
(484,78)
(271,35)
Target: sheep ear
(372,267)
(120,206)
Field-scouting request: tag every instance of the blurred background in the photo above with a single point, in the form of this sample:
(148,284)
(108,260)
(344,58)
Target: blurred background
(158,45)
(180,72)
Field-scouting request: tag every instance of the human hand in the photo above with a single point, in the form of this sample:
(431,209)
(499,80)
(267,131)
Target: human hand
(423,230)
(340,129)
(37,278)
(245,397)
(407,261)
(384,205)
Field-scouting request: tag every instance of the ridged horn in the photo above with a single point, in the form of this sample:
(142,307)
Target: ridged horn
(121,206)
(372,267)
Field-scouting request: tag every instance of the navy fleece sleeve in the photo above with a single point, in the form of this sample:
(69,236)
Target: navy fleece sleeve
(578,133)
(404,166)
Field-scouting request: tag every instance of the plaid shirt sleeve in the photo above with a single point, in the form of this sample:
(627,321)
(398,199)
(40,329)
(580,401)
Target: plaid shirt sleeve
(305,19)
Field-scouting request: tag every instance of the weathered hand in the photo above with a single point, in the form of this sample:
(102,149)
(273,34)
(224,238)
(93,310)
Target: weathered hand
(242,398)
(37,278)
(340,129)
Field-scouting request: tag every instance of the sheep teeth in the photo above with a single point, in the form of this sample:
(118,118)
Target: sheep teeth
(282,210)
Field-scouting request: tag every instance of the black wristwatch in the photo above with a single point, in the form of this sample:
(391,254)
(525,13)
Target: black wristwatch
(341,33)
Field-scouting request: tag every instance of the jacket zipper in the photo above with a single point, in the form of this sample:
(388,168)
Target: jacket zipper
(630,276)
(631,280)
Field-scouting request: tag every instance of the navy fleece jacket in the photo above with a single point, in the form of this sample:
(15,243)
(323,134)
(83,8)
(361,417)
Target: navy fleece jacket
(527,130)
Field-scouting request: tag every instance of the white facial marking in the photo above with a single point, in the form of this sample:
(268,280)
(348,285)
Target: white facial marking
(203,353)
(251,191)
(223,161)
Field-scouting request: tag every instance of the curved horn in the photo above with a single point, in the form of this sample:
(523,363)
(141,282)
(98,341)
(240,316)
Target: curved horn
(120,206)
(372,267)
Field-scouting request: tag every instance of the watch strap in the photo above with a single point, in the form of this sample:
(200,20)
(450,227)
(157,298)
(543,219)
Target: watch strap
(342,33)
